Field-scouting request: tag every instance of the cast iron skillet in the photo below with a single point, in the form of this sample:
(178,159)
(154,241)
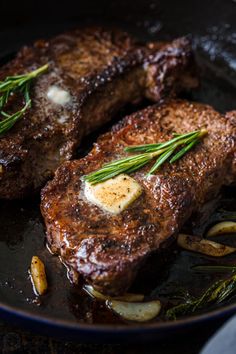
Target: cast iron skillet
(64,311)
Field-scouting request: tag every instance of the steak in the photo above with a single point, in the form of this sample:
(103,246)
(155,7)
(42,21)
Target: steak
(100,71)
(107,249)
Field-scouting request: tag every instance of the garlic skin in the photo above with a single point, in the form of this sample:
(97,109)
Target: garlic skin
(203,246)
(136,311)
(128,297)
(224,227)
(38,276)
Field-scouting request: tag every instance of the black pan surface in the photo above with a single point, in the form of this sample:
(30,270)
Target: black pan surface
(65,310)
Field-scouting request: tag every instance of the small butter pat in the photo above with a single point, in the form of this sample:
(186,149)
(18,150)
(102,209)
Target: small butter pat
(115,194)
(58,96)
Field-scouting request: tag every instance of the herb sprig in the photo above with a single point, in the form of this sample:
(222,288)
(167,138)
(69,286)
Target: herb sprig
(215,294)
(12,85)
(173,149)
(215,268)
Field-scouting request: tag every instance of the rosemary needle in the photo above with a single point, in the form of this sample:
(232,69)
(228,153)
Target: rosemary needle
(12,85)
(174,149)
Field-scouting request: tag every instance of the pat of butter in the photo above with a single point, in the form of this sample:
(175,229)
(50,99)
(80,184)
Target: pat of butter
(58,96)
(115,194)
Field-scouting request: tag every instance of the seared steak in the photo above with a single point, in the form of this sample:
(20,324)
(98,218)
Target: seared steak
(99,71)
(107,249)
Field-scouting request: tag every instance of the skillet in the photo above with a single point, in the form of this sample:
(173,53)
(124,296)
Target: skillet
(64,311)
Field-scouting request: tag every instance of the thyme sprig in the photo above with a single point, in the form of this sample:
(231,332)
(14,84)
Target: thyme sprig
(173,149)
(12,85)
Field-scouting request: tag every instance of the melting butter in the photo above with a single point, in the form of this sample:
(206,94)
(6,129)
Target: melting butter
(115,194)
(58,96)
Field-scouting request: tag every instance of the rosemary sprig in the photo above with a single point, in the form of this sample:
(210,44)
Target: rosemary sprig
(176,147)
(226,215)
(12,85)
(218,292)
(215,268)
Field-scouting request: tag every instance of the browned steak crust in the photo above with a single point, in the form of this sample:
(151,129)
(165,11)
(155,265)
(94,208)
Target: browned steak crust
(109,249)
(102,70)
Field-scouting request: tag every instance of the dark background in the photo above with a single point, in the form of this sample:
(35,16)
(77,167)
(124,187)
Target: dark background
(213,27)
(32,19)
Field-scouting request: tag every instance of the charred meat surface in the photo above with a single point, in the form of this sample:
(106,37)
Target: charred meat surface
(108,250)
(92,73)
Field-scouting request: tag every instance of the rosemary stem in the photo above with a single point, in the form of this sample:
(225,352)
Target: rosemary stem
(12,85)
(161,151)
(38,71)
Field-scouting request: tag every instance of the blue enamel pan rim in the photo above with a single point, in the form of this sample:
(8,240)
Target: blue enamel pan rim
(60,324)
